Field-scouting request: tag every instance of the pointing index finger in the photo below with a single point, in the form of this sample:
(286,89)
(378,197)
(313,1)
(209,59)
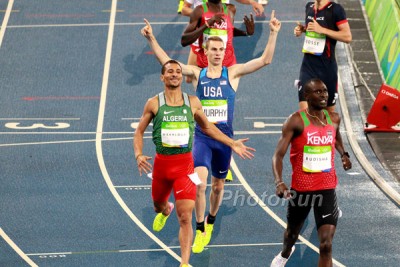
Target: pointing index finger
(272,14)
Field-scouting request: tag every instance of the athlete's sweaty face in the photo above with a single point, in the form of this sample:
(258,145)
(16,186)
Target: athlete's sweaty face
(215,52)
(172,76)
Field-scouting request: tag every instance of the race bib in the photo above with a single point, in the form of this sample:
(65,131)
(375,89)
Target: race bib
(175,134)
(223,34)
(317,158)
(216,110)
(314,43)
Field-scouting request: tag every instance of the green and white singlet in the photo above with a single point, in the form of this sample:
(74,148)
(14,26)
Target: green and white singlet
(173,127)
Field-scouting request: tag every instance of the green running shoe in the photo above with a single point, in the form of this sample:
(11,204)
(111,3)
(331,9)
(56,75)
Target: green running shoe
(161,219)
(198,244)
(208,229)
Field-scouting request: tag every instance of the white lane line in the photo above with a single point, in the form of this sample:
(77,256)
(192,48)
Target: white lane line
(63,142)
(99,149)
(91,140)
(126,24)
(269,211)
(5,20)
(16,248)
(155,249)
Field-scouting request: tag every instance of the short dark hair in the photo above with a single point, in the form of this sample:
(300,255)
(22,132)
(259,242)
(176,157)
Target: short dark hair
(213,38)
(173,61)
(308,86)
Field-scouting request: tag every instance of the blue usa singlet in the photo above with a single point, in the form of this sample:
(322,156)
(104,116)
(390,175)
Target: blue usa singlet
(218,99)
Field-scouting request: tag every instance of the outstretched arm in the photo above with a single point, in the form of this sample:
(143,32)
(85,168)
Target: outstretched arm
(239,70)
(147,32)
(211,130)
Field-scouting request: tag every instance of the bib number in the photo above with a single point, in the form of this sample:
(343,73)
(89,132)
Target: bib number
(175,134)
(317,158)
(314,43)
(216,110)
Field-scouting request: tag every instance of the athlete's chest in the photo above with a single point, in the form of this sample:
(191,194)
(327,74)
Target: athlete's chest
(316,136)
(213,88)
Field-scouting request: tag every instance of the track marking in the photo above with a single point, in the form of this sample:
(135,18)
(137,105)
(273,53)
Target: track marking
(5,20)
(154,249)
(17,249)
(126,24)
(64,142)
(99,149)
(269,211)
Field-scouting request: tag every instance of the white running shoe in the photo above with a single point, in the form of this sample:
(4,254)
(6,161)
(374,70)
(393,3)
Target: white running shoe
(280,261)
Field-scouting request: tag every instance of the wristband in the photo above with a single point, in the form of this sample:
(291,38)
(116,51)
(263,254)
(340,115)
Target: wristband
(278,184)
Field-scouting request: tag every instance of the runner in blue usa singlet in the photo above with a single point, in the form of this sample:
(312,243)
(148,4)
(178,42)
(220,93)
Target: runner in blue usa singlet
(218,98)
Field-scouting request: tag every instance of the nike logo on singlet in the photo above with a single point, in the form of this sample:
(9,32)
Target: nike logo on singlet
(311,134)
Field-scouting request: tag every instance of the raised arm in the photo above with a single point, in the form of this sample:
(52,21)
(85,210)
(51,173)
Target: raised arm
(238,70)
(147,32)
(162,56)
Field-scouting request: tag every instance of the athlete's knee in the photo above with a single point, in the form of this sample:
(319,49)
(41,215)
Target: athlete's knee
(325,247)
(185,217)
(201,189)
(218,187)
